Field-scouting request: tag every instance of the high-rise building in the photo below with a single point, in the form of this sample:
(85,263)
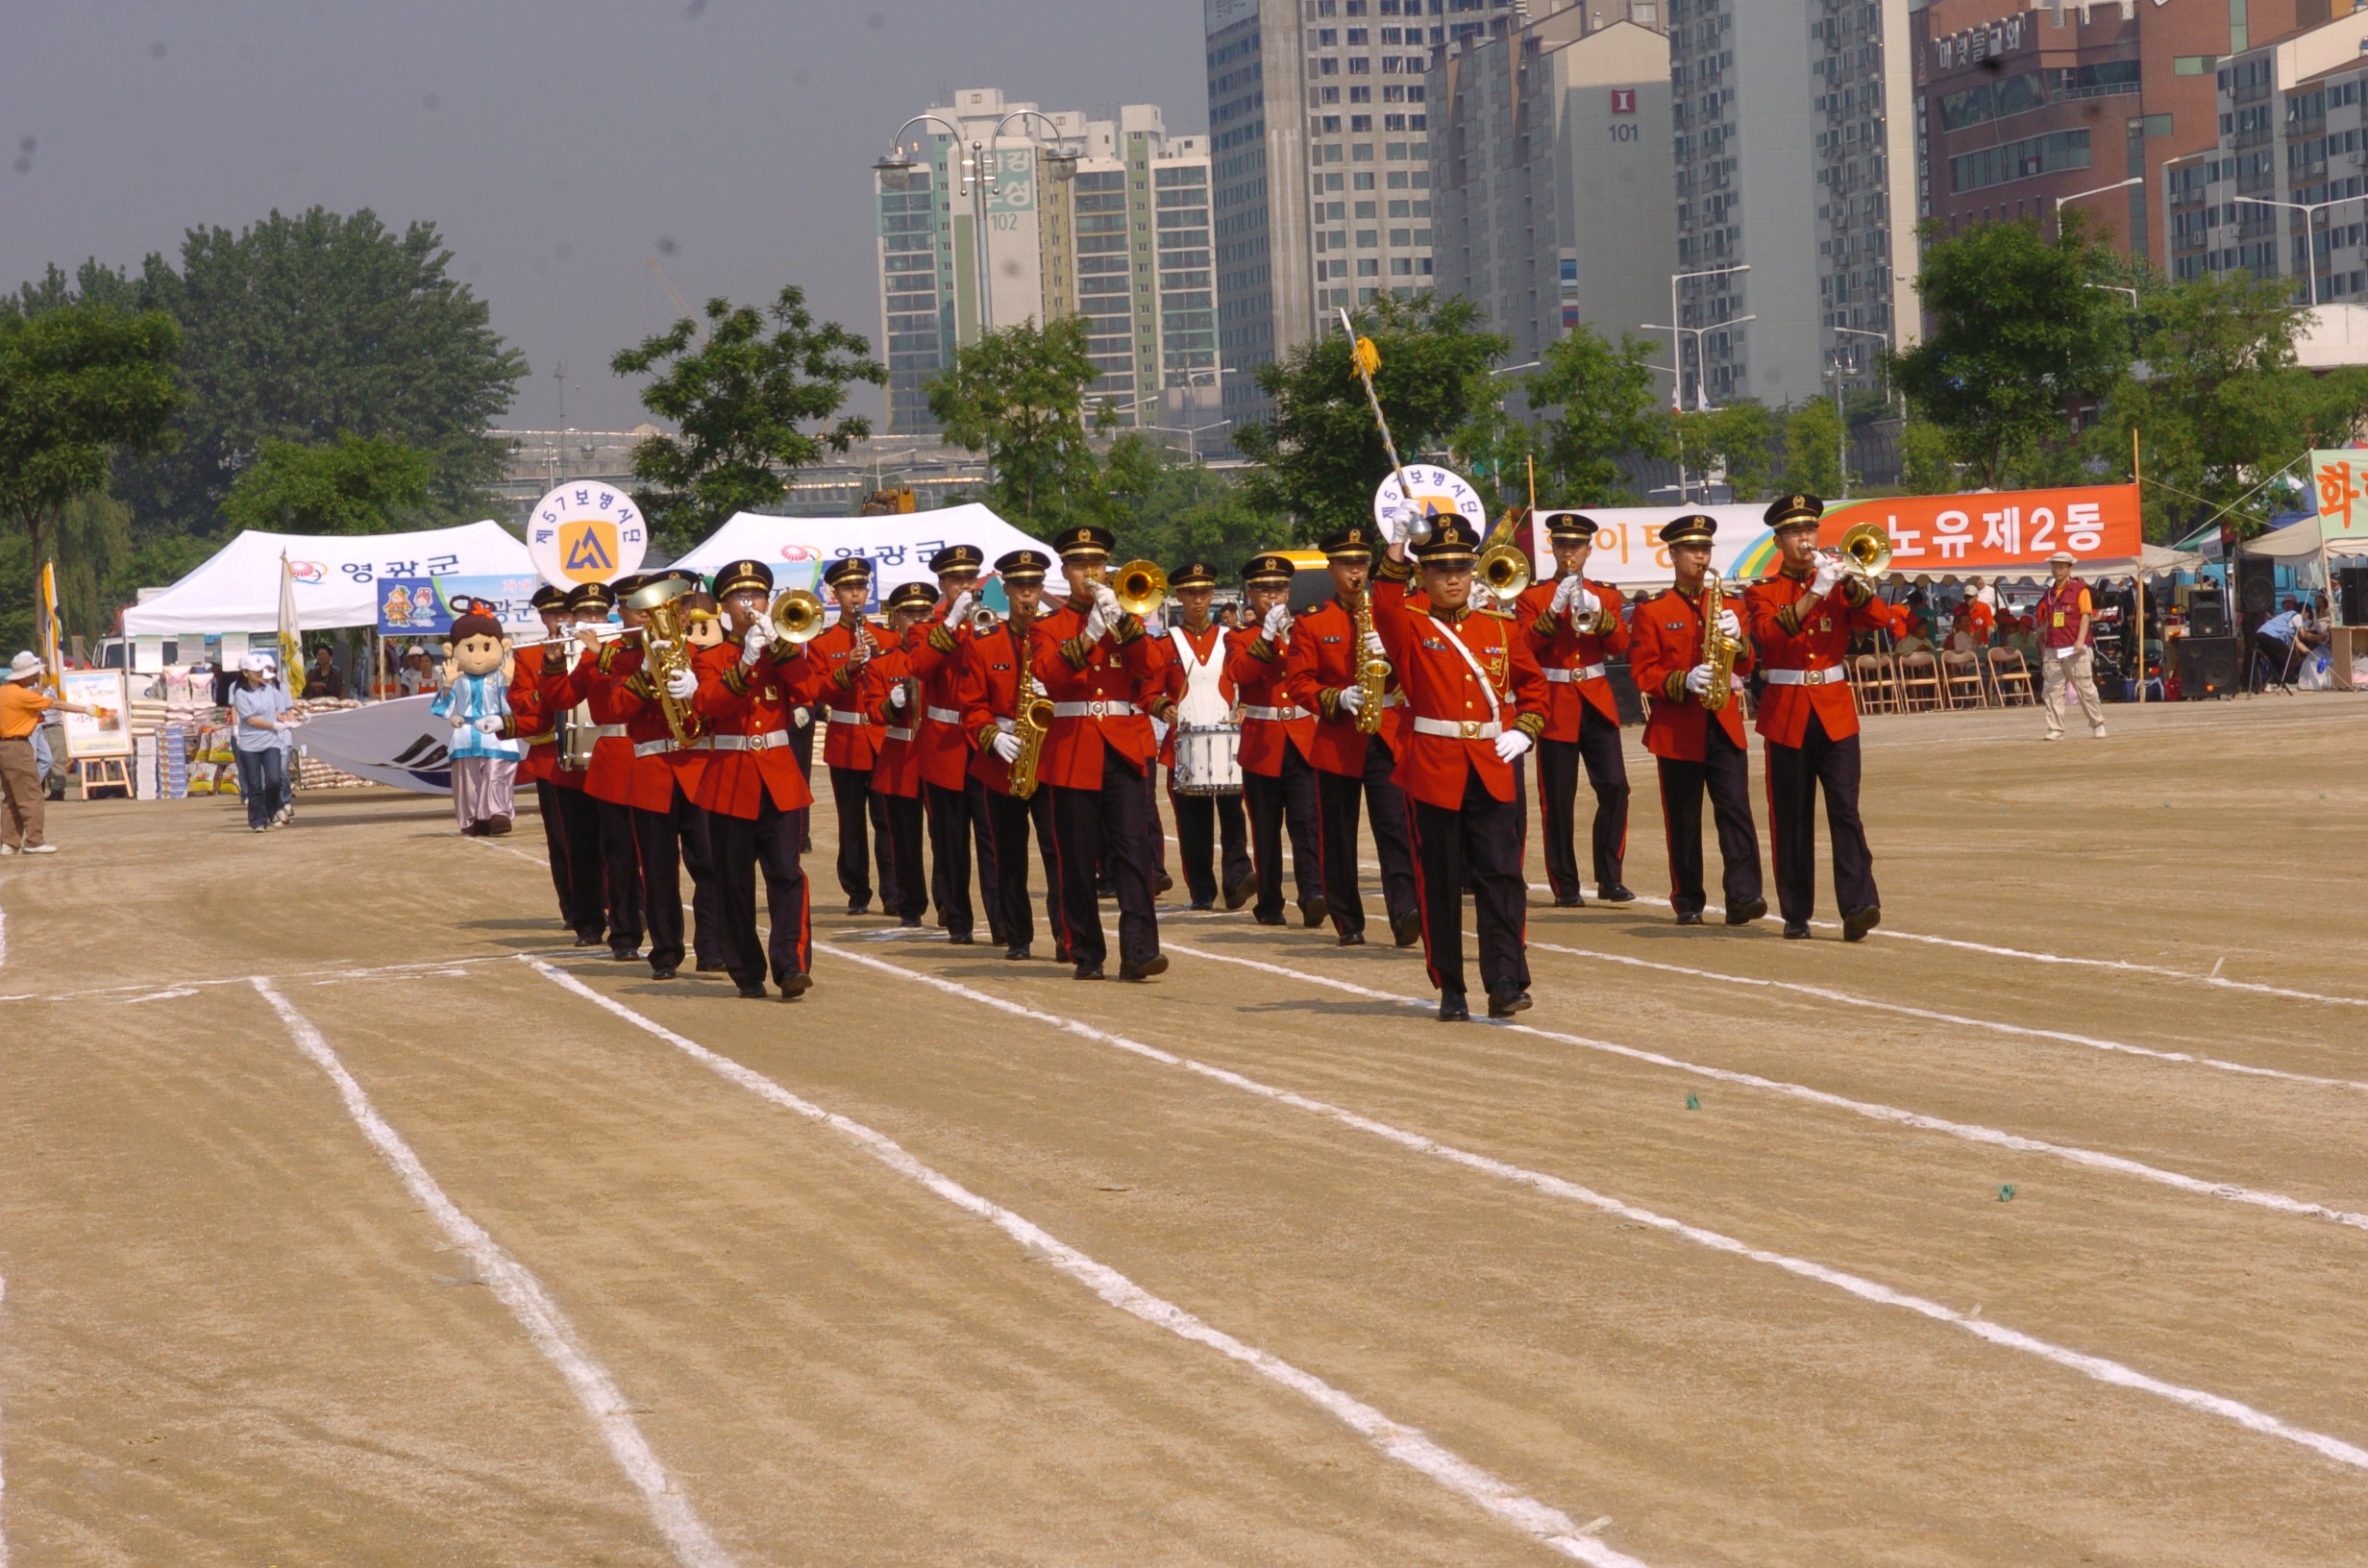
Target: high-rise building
(993,213)
(1551,177)
(1793,126)
(1318,136)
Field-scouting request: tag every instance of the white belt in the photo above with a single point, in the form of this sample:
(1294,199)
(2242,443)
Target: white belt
(840,716)
(1279,714)
(1101,709)
(1826,676)
(652,748)
(749,743)
(1465,729)
(1571,677)
(896,734)
(945,715)
(614,732)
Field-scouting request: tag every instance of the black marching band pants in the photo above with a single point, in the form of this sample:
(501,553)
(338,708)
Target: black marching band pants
(1725,772)
(958,820)
(572,833)
(1115,818)
(1339,797)
(620,875)
(669,842)
(1597,748)
(863,815)
(1203,823)
(1286,799)
(770,843)
(903,875)
(1794,776)
(1009,819)
(1480,846)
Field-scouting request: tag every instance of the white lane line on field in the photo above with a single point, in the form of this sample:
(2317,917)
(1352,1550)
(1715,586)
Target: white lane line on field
(2101,1369)
(1403,1443)
(1971,1132)
(518,1289)
(1998,1026)
(147,986)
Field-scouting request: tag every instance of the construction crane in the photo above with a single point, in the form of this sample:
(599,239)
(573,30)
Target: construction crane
(672,293)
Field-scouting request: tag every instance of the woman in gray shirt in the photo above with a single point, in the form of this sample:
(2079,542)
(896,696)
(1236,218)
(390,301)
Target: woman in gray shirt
(258,739)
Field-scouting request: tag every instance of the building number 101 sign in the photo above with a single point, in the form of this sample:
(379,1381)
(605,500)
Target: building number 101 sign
(582,533)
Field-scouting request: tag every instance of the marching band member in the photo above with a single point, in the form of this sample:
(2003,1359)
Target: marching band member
(1574,625)
(1278,786)
(1698,750)
(750,691)
(991,668)
(955,798)
(1093,660)
(540,695)
(1352,770)
(850,747)
(670,833)
(1807,721)
(896,777)
(1476,701)
(1203,695)
(598,680)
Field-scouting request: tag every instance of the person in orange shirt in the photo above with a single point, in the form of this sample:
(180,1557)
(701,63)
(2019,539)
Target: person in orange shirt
(1800,621)
(22,802)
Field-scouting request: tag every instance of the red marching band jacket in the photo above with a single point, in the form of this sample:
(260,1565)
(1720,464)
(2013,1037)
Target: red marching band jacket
(1573,658)
(1442,691)
(1270,721)
(897,770)
(601,678)
(988,669)
(748,713)
(541,691)
(1100,692)
(1322,662)
(1665,640)
(849,701)
(942,743)
(1806,661)
(1212,643)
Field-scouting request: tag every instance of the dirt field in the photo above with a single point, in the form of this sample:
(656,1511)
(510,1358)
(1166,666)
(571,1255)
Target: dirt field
(348,1218)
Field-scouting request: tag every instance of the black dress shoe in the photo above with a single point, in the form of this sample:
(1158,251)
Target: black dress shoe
(1570,900)
(1267,919)
(910,922)
(1503,1004)
(1156,963)
(657,973)
(1617,894)
(860,906)
(1796,930)
(1242,892)
(795,986)
(961,940)
(1202,904)
(995,936)
(589,939)
(1856,922)
(1452,1008)
(1352,938)
(1086,972)
(1745,914)
(754,993)
(1313,912)
(1017,950)
(1163,884)
(1693,918)
(1406,930)
(624,955)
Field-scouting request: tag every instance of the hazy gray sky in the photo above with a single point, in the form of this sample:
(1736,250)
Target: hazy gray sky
(557,144)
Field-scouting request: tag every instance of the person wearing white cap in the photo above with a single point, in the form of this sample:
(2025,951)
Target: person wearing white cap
(21,800)
(2066,614)
(260,727)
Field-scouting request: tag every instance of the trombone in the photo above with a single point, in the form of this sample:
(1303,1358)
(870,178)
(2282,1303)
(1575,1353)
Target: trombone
(1865,551)
(797,615)
(1141,586)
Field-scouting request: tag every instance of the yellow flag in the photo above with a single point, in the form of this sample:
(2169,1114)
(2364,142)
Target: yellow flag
(1367,358)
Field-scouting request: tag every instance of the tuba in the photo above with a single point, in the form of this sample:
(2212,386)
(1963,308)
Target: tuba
(797,615)
(1141,586)
(1718,649)
(662,636)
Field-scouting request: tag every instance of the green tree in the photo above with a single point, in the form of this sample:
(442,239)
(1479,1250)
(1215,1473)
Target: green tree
(1173,508)
(79,383)
(297,329)
(1606,409)
(357,484)
(1019,396)
(2017,341)
(1812,449)
(740,398)
(1320,457)
(1925,467)
(1740,438)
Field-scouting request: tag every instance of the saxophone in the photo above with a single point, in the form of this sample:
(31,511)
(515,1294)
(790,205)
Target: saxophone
(1373,669)
(1031,720)
(1718,649)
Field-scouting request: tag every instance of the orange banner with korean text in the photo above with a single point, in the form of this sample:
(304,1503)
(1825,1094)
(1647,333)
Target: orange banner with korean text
(2000,530)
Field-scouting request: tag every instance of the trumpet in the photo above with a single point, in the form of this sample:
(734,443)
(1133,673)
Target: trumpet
(1141,586)
(797,615)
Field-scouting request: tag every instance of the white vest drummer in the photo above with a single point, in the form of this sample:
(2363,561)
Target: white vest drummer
(1207,745)
(1203,703)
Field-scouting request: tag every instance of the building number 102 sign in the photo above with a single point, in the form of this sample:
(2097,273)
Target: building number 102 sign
(583,533)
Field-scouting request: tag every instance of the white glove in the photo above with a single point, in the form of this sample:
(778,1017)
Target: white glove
(1277,623)
(896,696)
(1374,646)
(1095,626)
(683,685)
(1007,745)
(959,611)
(1698,679)
(1827,579)
(461,734)
(1352,698)
(1512,744)
(1106,600)
(1565,593)
(1732,626)
(755,640)
(490,724)
(802,717)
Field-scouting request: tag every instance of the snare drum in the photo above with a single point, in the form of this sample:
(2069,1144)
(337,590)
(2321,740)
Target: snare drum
(1208,760)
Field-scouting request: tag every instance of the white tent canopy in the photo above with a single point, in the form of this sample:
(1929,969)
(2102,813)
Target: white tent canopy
(2302,541)
(338,577)
(897,545)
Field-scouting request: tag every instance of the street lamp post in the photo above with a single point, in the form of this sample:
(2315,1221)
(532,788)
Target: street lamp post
(2306,208)
(1884,338)
(1701,368)
(1676,400)
(2119,185)
(978,176)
